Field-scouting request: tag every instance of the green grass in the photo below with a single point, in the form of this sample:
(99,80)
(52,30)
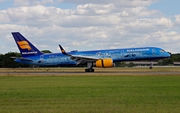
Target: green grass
(90,94)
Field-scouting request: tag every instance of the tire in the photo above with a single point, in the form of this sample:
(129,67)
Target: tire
(89,70)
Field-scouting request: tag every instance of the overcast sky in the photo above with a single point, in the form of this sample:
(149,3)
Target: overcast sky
(97,24)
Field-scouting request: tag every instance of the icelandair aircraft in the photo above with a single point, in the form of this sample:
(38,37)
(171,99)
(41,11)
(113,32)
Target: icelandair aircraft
(97,58)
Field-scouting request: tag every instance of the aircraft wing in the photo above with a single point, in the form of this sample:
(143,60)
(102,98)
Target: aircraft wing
(79,58)
(83,59)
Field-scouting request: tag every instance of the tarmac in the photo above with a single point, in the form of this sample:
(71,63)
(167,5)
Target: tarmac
(85,73)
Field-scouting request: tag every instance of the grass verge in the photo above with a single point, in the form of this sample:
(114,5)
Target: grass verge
(87,94)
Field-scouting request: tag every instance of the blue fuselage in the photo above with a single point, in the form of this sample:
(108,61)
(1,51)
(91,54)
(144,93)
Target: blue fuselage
(117,55)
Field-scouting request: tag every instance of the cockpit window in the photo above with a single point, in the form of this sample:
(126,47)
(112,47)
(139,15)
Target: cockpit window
(162,51)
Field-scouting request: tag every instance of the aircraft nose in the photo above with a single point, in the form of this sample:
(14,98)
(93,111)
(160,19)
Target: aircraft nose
(167,54)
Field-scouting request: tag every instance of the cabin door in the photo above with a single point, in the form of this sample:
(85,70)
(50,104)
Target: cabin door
(41,57)
(154,52)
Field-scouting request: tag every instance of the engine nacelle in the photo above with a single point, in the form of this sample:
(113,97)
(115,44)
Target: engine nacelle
(107,62)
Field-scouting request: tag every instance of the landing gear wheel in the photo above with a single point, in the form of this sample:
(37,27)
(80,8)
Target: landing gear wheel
(86,70)
(89,67)
(151,65)
(89,70)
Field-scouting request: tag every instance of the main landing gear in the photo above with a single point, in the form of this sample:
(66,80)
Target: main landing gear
(89,70)
(89,67)
(151,65)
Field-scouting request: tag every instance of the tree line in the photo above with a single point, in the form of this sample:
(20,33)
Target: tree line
(6,60)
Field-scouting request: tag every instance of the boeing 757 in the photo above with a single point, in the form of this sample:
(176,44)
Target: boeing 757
(96,58)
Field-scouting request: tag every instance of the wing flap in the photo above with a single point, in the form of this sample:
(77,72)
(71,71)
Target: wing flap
(83,59)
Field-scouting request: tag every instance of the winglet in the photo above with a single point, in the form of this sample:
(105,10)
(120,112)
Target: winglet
(63,51)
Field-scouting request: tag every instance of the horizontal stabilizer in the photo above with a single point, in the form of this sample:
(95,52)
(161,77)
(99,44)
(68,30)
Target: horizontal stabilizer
(21,58)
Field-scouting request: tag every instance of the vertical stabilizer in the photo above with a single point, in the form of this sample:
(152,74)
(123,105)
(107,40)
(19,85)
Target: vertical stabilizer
(25,47)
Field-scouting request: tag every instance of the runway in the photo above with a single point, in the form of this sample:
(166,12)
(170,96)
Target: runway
(142,71)
(85,73)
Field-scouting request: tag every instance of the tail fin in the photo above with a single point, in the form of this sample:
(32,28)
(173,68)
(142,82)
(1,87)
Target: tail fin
(25,47)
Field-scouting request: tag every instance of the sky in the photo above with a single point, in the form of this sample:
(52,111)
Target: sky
(90,25)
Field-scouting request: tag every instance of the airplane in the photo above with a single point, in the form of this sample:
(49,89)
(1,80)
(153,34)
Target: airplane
(95,58)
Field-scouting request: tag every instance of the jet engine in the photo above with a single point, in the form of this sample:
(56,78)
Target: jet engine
(107,62)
